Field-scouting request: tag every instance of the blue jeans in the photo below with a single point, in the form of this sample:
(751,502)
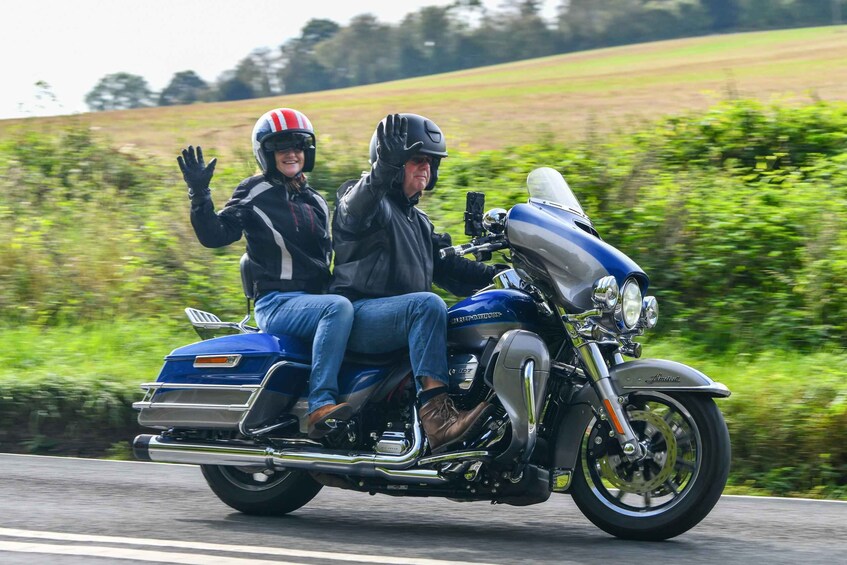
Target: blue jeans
(416,320)
(323,319)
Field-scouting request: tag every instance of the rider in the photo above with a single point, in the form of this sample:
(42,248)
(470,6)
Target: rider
(387,256)
(286,223)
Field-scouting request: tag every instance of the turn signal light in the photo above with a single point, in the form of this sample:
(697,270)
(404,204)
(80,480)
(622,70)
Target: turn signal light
(216,361)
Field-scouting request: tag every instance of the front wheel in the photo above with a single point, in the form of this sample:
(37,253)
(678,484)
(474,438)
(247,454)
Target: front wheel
(264,492)
(676,484)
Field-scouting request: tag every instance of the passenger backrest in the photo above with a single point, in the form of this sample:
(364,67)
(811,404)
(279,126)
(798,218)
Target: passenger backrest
(247,278)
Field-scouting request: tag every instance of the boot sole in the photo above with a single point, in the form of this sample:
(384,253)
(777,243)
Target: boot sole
(321,428)
(471,431)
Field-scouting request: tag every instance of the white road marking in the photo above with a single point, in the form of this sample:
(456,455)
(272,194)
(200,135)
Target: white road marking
(133,554)
(199,546)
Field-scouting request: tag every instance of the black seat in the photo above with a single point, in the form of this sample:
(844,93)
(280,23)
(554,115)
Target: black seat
(376,359)
(247,278)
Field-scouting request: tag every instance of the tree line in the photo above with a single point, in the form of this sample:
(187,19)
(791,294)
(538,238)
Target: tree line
(462,35)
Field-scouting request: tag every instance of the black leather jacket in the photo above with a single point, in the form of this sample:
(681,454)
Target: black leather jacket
(287,233)
(385,246)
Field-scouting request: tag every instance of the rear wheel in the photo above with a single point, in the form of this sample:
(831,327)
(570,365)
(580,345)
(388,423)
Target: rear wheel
(674,486)
(265,492)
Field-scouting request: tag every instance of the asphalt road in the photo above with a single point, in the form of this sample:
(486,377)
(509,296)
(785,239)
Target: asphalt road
(74,511)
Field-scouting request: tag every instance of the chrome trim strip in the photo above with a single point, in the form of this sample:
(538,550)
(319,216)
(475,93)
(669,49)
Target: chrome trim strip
(529,394)
(192,386)
(252,400)
(718,389)
(411,476)
(169,405)
(461,455)
(151,389)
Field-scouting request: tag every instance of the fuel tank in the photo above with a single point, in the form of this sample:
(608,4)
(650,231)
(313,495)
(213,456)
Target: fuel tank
(490,313)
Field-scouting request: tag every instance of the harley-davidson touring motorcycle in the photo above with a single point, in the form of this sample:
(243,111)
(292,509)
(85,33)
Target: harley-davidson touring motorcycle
(639,444)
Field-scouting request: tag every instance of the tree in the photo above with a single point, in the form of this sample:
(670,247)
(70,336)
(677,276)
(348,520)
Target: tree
(230,87)
(522,32)
(724,13)
(360,53)
(315,31)
(185,88)
(303,71)
(261,71)
(119,91)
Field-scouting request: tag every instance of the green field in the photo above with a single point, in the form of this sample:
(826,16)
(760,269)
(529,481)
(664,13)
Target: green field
(566,96)
(718,163)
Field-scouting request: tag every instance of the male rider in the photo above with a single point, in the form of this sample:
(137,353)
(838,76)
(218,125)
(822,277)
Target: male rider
(386,259)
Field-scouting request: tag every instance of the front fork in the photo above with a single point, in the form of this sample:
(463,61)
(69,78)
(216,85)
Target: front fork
(610,404)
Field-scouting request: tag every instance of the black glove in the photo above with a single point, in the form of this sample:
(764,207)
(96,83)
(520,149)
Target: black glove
(442,240)
(196,173)
(391,137)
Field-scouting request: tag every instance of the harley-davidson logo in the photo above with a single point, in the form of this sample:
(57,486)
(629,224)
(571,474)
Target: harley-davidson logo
(660,378)
(475,317)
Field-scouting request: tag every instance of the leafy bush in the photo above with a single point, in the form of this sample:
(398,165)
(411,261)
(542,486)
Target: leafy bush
(736,215)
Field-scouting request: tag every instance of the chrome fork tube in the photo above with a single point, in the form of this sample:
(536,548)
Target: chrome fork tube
(610,408)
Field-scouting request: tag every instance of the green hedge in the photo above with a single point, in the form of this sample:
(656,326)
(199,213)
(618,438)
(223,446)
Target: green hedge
(736,214)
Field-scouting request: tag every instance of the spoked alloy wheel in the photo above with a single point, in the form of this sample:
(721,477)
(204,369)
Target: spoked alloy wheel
(254,490)
(675,484)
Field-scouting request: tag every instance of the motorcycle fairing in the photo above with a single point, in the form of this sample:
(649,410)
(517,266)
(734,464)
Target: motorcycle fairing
(564,247)
(520,378)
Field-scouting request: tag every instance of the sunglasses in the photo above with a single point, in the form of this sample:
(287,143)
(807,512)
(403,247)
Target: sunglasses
(420,159)
(285,145)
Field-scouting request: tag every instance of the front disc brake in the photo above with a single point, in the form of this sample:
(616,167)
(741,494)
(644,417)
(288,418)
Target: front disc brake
(631,477)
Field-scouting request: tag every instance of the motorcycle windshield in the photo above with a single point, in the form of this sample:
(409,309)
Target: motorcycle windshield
(548,186)
(555,245)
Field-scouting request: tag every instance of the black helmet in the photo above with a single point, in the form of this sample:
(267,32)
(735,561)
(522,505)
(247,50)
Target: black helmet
(280,124)
(425,130)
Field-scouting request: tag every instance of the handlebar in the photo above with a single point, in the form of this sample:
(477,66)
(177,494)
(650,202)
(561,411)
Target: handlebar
(467,248)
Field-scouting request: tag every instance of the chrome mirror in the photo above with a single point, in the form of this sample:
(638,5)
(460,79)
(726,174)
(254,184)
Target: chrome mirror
(494,221)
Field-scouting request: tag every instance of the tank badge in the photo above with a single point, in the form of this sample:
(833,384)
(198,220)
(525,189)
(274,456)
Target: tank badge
(475,317)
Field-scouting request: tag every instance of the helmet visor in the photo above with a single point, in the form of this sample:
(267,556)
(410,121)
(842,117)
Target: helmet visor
(286,143)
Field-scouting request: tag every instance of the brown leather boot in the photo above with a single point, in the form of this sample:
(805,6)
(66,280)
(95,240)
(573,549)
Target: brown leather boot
(446,426)
(324,419)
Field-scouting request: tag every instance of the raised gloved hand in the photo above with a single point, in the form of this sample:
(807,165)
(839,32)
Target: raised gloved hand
(391,137)
(196,173)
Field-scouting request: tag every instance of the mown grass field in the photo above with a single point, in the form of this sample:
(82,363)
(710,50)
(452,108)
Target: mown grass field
(565,96)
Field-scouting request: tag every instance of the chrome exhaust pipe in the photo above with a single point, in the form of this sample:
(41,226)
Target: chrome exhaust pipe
(147,447)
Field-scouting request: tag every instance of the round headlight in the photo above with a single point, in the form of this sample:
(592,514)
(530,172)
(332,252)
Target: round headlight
(650,313)
(631,303)
(606,293)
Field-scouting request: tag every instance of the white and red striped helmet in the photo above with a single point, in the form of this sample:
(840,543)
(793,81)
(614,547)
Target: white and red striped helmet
(283,122)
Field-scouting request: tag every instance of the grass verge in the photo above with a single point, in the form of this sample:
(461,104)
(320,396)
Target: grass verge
(69,391)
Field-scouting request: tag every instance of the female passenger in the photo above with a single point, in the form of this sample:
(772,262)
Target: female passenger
(286,224)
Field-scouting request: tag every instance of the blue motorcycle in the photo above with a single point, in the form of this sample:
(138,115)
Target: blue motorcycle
(640,445)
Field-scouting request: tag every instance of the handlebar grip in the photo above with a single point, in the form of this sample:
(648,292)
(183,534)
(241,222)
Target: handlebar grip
(456,250)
